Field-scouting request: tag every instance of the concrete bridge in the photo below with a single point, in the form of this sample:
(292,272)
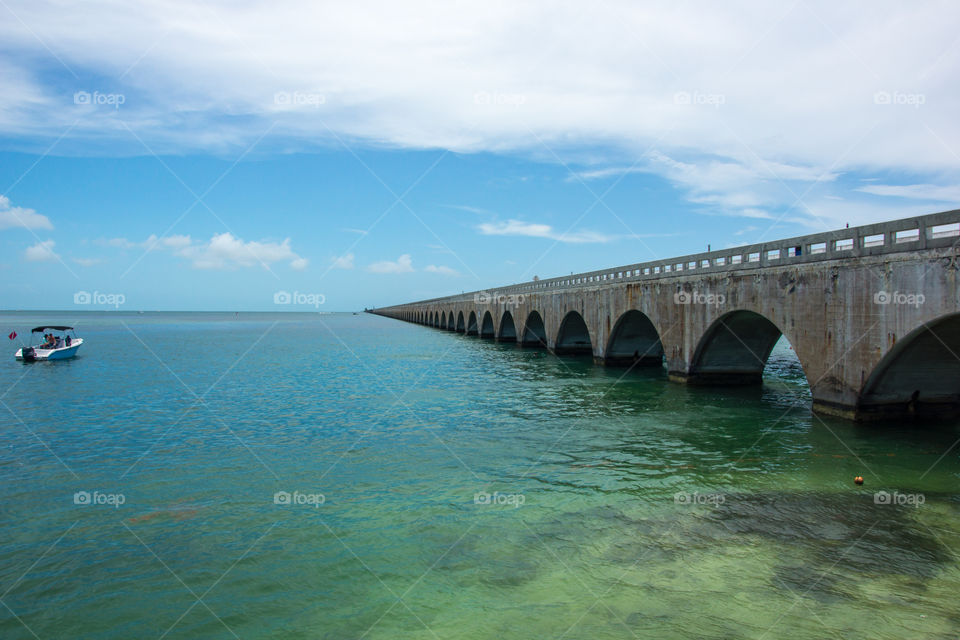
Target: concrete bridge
(872,313)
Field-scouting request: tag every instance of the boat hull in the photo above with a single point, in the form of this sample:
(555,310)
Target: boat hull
(62,353)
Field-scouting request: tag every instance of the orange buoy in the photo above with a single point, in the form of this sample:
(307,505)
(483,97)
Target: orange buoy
(858,480)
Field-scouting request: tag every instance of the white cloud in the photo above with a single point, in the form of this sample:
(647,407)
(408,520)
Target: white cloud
(12,217)
(931,192)
(441,269)
(121,243)
(403,264)
(151,243)
(174,242)
(41,252)
(87,262)
(357,231)
(534,230)
(124,243)
(742,187)
(344,262)
(801,88)
(223,251)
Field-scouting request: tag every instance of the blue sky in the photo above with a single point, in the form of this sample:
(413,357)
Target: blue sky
(206,158)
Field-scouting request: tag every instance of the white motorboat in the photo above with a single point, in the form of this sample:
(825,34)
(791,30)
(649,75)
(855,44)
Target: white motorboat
(59,348)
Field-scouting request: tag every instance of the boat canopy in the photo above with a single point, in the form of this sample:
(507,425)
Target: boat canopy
(54,328)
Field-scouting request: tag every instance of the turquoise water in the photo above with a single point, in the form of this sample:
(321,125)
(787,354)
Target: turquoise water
(447,487)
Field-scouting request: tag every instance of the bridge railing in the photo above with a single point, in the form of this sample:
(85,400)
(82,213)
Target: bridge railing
(898,236)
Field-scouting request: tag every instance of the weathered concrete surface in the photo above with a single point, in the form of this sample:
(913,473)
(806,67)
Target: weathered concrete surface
(876,330)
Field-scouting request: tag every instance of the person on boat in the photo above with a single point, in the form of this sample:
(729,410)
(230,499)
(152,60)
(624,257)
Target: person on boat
(48,341)
(67,340)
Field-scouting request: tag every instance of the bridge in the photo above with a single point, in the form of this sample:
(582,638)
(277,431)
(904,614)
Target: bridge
(871,312)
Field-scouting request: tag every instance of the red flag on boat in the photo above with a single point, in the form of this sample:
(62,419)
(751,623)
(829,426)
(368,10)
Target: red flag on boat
(13,334)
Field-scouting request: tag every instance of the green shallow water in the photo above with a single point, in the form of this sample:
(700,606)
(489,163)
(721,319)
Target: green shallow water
(621,505)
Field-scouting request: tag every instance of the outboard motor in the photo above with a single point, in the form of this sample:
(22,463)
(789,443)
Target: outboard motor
(28,354)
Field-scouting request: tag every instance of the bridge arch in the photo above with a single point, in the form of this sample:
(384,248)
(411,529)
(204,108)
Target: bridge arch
(443,320)
(472,324)
(451,323)
(920,375)
(734,349)
(634,341)
(574,336)
(486,326)
(508,330)
(534,332)
(460,326)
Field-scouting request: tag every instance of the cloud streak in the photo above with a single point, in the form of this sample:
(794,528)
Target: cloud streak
(930,192)
(535,230)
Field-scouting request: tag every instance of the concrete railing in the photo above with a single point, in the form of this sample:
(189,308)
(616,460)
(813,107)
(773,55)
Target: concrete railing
(898,236)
